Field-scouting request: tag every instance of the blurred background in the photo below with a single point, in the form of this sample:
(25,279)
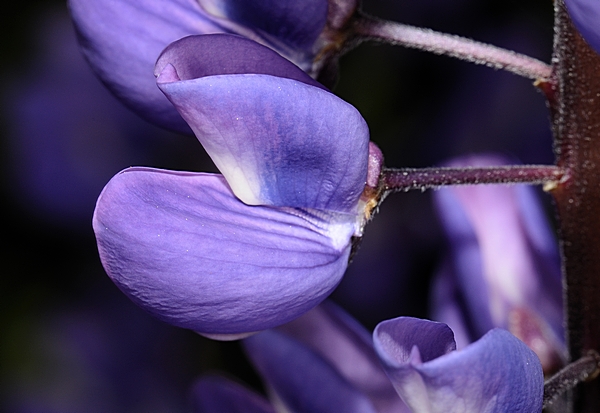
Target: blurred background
(69,339)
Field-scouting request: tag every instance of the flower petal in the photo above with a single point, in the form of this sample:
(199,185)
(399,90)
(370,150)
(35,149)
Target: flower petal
(496,374)
(296,23)
(181,246)
(586,15)
(121,39)
(504,261)
(334,335)
(194,57)
(278,141)
(300,380)
(214,394)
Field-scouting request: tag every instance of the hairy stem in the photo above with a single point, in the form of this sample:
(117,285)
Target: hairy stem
(576,126)
(462,48)
(406,179)
(586,368)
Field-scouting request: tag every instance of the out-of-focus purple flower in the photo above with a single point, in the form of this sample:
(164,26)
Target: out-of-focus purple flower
(326,362)
(503,269)
(329,339)
(496,374)
(586,17)
(323,361)
(66,134)
(189,247)
(122,39)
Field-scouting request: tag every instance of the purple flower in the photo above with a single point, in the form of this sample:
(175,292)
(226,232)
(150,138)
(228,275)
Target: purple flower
(503,269)
(326,362)
(268,240)
(586,17)
(497,373)
(121,39)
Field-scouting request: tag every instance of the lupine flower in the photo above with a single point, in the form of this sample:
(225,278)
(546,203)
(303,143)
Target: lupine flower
(269,239)
(326,362)
(503,269)
(121,39)
(497,373)
(586,17)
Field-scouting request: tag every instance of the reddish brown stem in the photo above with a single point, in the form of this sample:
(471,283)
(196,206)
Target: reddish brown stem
(407,179)
(576,125)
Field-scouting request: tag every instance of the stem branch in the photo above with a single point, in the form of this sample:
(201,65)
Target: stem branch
(586,368)
(451,45)
(406,179)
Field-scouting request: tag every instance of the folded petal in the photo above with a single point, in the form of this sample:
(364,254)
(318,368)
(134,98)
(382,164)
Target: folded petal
(214,394)
(184,248)
(278,141)
(194,57)
(301,381)
(496,374)
(121,39)
(334,335)
(586,15)
(296,23)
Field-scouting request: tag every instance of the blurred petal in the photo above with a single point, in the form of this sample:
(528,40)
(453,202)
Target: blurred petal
(504,260)
(300,380)
(496,374)
(448,305)
(121,39)
(278,141)
(297,23)
(586,17)
(334,335)
(214,394)
(184,248)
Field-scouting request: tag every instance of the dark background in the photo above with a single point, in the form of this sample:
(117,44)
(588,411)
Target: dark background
(71,342)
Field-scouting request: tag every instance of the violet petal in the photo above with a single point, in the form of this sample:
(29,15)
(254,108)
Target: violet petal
(496,374)
(334,335)
(198,56)
(296,23)
(184,248)
(300,380)
(121,40)
(504,260)
(276,140)
(586,15)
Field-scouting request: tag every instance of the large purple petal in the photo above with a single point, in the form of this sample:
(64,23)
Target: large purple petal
(184,248)
(334,335)
(296,23)
(301,380)
(278,141)
(214,394)
(586,17)
(122,39)
(496,374)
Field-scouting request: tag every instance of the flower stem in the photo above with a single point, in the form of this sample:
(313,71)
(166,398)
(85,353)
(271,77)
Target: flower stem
(586,368)
(371,28)
(576,126)
(406,179)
